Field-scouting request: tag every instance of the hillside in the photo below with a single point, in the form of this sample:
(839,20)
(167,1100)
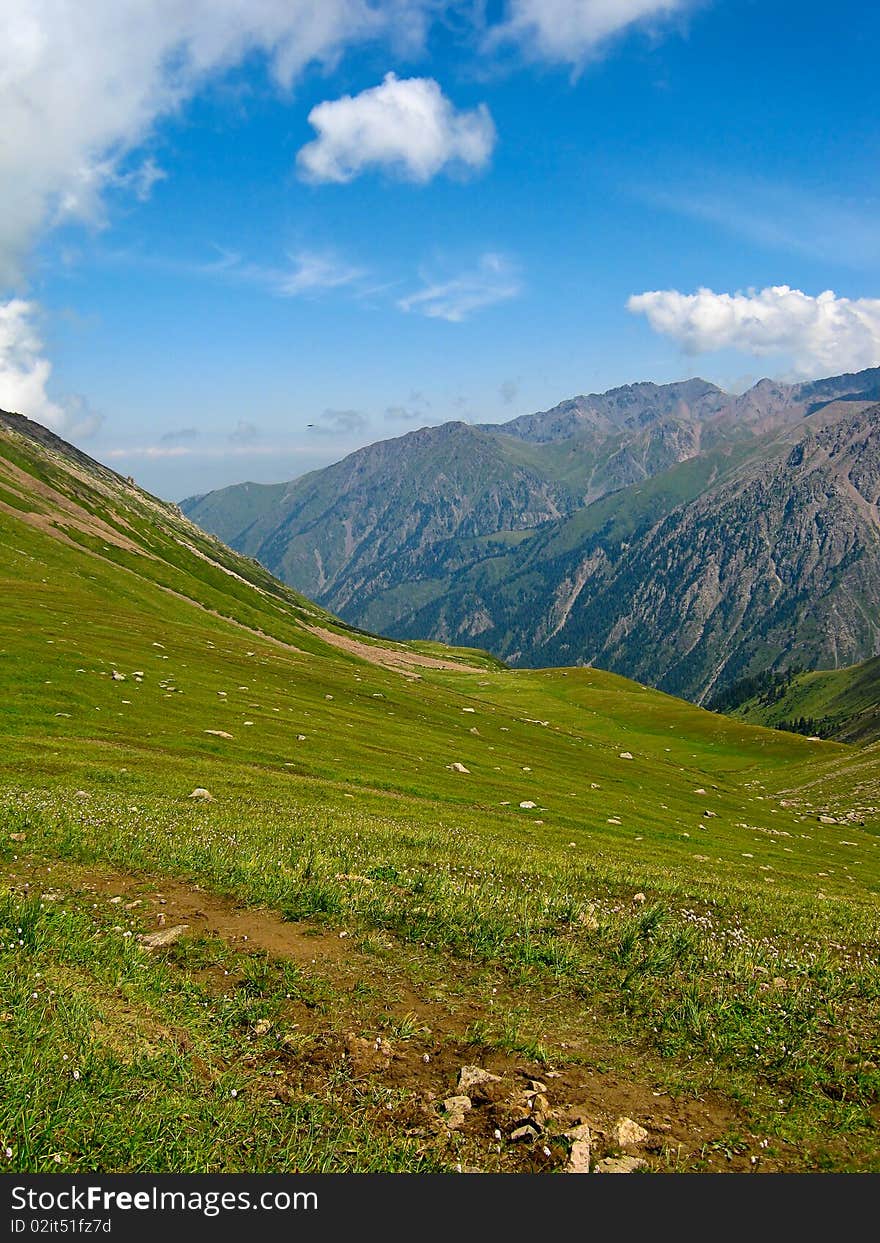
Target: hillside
(572,536)
(832,703)
(406,860)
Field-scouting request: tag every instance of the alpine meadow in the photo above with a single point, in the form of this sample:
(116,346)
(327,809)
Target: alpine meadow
(275,887)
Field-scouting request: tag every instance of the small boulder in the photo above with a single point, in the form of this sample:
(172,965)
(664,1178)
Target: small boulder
(458,767)
(639,899)
(474,1077)
(626,755)
(165,936)
(527,805)
(628,1134)
(579,1157)
(201,793)
(117,676)
(524,1134)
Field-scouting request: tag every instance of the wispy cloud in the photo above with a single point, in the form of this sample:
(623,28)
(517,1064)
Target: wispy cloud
(405,125)
(339,423)
(779,216)
(160,451)
(244,433)
(571,31)
(179,435)
(818,335)
(306,272)
(494,279)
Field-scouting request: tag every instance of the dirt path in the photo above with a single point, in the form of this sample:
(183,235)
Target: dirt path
(398,659)
(425,1064)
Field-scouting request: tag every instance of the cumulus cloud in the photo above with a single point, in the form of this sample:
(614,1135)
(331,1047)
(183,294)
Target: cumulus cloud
(339,423)
(406,125)
(24,371)
(569,31)
(82,85)
(494,279)
(819,335)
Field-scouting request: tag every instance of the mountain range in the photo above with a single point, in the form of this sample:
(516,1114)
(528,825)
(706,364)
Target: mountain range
(676,534)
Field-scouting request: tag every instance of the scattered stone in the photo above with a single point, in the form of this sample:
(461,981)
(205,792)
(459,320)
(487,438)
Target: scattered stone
(81,794)
(827,820)
(473,1076)
(579,1157)
(456,1107)
(262,1026)
(579,1133)
(165,936)
(300,737)
(620,1165)
(628,1134)
(527,805)
(18,837)
(626,755)
(218,733)
(117,676)
(700,791)
(523,1134)
(201,793)
(639,899)
(458,768)
(468,709)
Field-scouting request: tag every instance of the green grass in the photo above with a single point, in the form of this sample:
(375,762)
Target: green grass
(833,703)
(734,954)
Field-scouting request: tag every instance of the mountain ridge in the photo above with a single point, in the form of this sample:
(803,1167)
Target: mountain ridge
(563,537)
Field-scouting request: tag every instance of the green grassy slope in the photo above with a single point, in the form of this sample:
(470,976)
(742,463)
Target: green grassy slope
(833,703)
(611,887)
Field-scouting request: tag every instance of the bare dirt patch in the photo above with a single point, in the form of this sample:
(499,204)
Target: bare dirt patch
(389,657)
(399,1056)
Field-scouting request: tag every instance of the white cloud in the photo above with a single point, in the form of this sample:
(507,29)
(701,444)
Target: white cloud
(82,84)
(819,335)
(494,279)
(405,124)
(311,271)
(569,31)
(24,372)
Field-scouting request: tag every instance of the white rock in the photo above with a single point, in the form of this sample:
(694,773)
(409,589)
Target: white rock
(458,767)
(527,805)
(579,1158)
(201,793)
(166,936)
(628,1134)
(626,755)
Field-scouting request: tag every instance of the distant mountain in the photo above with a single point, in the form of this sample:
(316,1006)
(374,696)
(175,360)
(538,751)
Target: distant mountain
(674,533)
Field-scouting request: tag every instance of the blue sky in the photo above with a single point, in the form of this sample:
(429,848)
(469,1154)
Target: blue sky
(237,249)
